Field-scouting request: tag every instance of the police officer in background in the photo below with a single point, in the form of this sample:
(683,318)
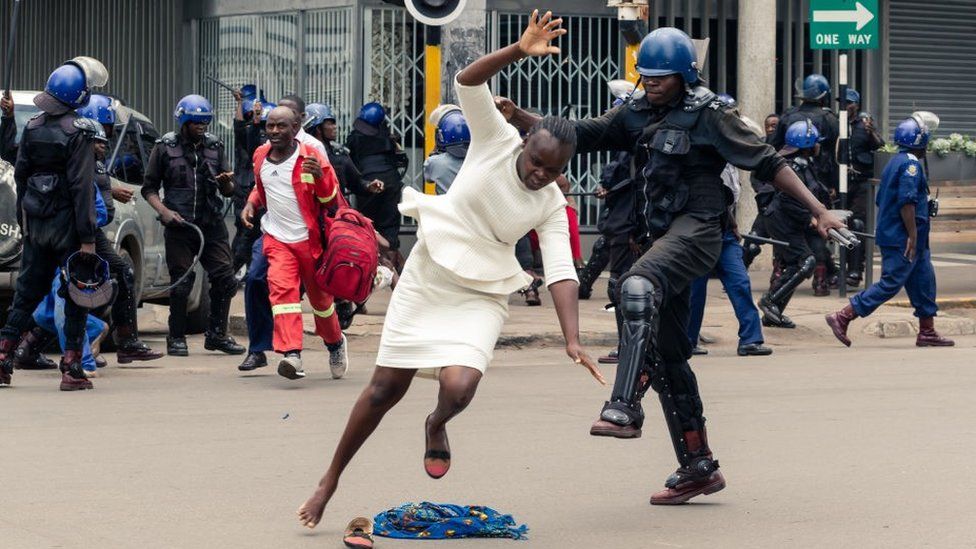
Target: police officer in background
(377,153)
(54,173)
(130,348)
(451,140)
(864,141)
(814,96)
(682,137)
(243,179)
(320,123)
(190,167)
(904,212)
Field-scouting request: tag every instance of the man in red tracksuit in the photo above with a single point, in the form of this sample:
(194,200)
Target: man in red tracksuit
(296,185)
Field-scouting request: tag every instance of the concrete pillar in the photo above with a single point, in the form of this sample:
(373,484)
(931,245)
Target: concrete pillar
(463,41)
(756,78)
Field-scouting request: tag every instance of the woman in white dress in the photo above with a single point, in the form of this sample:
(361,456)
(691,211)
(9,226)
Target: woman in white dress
(452,299)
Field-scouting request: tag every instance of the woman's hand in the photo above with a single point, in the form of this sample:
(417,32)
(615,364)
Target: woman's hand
(535,41)
(579,355)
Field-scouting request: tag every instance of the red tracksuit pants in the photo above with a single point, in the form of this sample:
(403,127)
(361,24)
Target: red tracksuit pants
(289,267)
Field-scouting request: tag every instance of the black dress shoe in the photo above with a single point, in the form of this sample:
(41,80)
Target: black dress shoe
(699,351)
(176,346)
(253,361)
(223,343)
(754,349)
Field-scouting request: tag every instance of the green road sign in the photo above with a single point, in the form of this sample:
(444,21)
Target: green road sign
(843,24)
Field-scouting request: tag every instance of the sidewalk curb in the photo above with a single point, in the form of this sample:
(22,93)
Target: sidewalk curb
(943,303)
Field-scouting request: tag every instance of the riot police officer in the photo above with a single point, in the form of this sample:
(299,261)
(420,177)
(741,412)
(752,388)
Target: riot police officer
(377,153)
(789,220)
(130,348)
(814,96)
(682,137)
(54,173)
(320,123)
(190,167)
(864,141)
(451,139)
(902,234)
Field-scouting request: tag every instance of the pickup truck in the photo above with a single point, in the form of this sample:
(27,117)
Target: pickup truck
(135,231)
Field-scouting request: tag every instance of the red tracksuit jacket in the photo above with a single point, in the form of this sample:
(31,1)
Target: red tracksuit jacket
(315,195)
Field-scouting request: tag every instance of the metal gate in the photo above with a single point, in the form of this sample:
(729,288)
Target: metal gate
(572,84)
(393,75)
(268,50)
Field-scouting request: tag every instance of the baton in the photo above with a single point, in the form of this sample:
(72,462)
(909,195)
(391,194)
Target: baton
(844,237)
(863,235)
(221,84)
(580,194)
(773,241)
(11,43)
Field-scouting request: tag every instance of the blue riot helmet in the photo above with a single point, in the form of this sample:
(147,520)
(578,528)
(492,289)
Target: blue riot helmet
(373,114)
(316,114)
(915,131)
(665,51)
(852,96)
(88,280)
(802,134)
(193,108)
(452,130)
(813,88)
(727,99)
(100,108)
(71,83)
(249,91)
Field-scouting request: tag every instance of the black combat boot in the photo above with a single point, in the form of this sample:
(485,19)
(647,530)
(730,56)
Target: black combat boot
(73,376)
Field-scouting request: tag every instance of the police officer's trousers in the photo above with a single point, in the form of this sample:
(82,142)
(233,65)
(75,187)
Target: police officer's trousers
(182,244)
(689,250)
(897,272)
(47,244)
(124,308)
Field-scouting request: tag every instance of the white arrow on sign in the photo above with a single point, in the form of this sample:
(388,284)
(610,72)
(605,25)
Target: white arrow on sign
(860,15)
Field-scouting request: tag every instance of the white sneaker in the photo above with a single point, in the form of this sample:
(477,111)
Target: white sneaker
(339,360)
(291,367)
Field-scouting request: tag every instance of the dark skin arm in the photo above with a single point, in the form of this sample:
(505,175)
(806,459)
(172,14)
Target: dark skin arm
(534,42)
(565,298)
(787,181)
(908,218)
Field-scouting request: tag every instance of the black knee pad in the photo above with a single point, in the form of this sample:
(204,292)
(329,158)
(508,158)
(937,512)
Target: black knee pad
(806,269)
(638,299)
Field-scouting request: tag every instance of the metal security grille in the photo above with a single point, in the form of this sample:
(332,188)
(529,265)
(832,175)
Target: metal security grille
(393,75)
(931,60)
(329,59)
(572,84)
(137,40)
(252,49)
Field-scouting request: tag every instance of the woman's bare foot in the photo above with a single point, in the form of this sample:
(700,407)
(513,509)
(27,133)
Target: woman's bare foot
(310,513)
(437,457)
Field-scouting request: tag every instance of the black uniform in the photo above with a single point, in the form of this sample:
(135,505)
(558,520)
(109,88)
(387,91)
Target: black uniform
(244,146)
(377,156)
(54,171)
(764,192)
(825,163)
(350,178)
(185,172)
(790,221)
(8,139)
(863,144)
(124,308)
(680,151)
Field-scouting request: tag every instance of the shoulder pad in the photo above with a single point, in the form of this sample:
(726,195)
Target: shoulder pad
(212,141)
(87,125)
(170,139)
(911,157)
(912,167)
(829,112)
(699,98)
(799,162)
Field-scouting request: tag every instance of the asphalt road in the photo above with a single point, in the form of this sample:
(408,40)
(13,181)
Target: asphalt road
(821,446)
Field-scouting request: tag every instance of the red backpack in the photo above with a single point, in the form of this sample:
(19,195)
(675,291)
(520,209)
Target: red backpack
(348,264)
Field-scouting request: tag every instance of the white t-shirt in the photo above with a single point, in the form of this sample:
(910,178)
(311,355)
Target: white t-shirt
(303,137)
(284,218)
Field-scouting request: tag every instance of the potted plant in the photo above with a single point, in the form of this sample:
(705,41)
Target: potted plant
(951,158)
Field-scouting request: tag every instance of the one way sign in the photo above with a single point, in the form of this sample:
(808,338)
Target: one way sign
(843,24)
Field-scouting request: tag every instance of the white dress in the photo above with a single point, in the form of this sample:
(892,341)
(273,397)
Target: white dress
(452,299)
